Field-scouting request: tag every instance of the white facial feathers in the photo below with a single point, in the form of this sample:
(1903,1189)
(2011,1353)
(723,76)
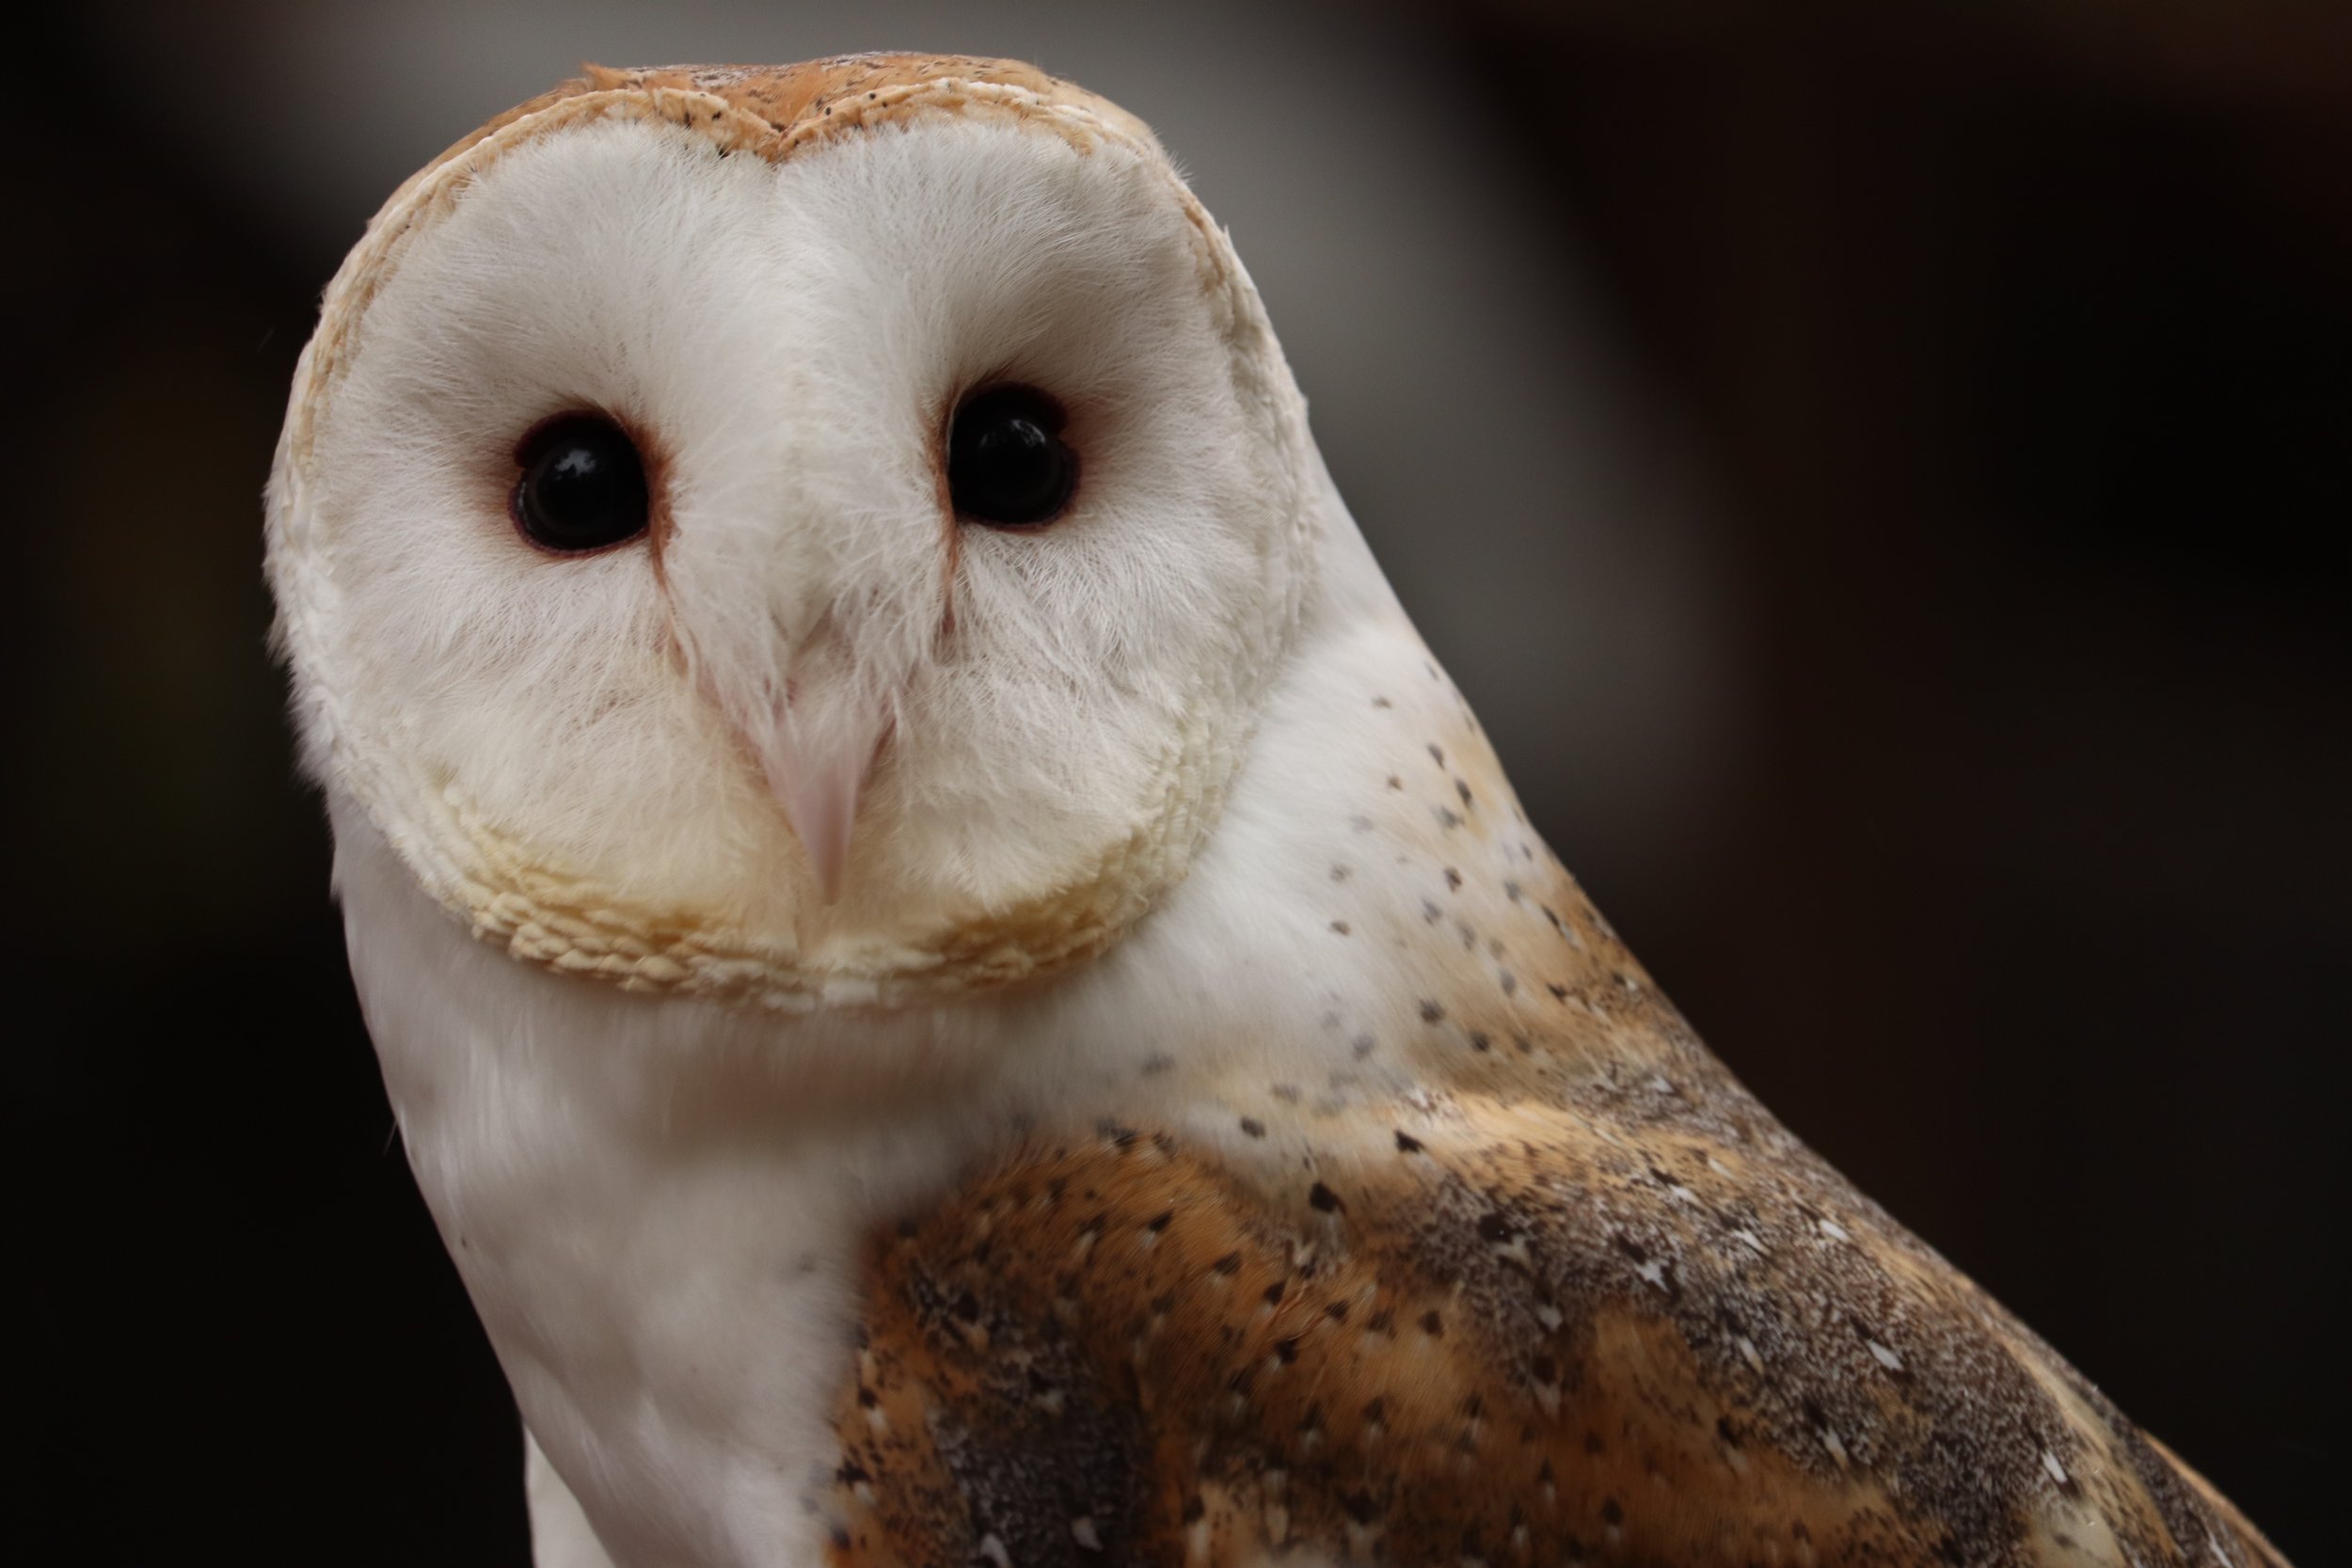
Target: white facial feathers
(679,733)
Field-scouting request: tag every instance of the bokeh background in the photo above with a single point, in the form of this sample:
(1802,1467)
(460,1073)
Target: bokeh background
(1879,469)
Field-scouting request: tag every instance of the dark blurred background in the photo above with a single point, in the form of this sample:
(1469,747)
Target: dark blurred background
(1879,469)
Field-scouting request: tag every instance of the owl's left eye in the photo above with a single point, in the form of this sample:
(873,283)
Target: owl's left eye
(582,486)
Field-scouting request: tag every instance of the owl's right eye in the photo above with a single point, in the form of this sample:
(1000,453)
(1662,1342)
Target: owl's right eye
(1007,463)
(582,486)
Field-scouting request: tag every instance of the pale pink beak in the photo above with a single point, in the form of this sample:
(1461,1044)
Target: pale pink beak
(815,777)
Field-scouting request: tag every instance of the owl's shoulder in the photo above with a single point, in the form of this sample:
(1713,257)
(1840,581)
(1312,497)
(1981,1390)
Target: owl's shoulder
(1639,1322)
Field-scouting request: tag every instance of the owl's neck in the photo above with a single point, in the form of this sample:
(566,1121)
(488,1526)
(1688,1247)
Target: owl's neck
(658,1204)
(652,1204)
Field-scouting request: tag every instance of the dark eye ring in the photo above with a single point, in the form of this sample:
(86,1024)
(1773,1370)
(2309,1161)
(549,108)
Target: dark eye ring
(1008,465)
(583,486)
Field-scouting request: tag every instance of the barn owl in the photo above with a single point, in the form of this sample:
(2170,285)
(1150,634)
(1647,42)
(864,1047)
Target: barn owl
(961,986)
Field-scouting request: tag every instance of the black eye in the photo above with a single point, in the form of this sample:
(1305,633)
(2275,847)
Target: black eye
(1007,463)
(582,485)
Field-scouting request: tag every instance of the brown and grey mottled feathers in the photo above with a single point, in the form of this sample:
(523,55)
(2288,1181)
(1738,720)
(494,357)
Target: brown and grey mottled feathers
(1575,1297)
(1582,1309)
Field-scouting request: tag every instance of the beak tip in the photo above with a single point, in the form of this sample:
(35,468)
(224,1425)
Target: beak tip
(822,805)
(828,867)
(816,765)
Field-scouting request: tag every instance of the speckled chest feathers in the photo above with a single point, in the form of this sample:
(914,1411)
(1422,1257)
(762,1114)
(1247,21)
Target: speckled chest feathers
(961,986)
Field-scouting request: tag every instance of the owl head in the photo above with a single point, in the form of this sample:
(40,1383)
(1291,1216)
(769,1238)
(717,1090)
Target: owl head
(816,535)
